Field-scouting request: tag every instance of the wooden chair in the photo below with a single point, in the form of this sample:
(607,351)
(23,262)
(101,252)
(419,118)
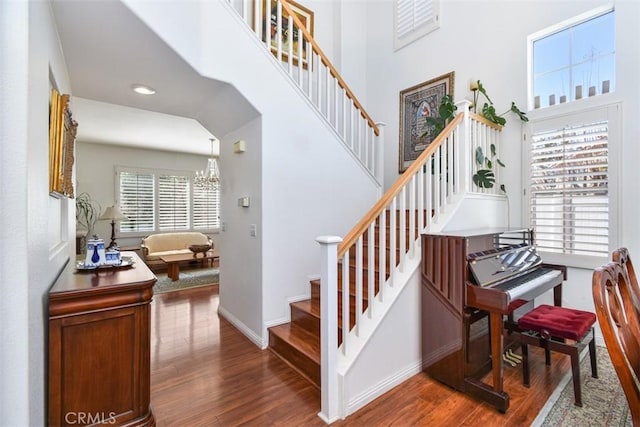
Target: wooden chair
(622,257)
(616,308)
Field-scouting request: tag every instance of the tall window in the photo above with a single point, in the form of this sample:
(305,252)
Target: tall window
(571,194)
(165,201)
(414,19)
(573,60)
(173,202)
(137,201)
(205,208)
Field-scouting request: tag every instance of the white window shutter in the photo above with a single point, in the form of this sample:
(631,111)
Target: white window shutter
(173,202)
(414,19)
(206,204)
(160,200)
(137,201)
(572,197)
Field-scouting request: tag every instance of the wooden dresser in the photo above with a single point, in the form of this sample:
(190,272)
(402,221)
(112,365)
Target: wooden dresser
(99,346)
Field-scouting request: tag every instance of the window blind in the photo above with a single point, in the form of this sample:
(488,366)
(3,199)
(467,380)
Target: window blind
(161,200)
(206,204)
(569,189)
(173,202)
(137,201)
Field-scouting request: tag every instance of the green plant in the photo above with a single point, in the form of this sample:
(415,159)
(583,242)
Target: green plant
(446,113)
(488,109)
(87,212)
(485,177)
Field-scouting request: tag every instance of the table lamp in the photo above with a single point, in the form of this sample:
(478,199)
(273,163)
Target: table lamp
(113,213)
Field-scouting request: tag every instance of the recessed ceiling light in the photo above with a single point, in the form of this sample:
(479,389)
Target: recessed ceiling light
(143,90)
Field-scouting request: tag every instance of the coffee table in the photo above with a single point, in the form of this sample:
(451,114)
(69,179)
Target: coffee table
(173,261)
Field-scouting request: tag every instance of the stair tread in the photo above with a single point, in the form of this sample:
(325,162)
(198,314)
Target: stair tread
(309,305)
(303,340)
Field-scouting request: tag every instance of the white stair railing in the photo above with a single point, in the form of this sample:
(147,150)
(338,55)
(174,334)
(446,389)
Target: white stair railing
(420,197)
(315,76)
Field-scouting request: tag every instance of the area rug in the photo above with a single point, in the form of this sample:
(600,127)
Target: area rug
(188,279)
(603,401)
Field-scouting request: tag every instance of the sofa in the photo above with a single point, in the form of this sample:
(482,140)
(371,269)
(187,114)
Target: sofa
(156,245)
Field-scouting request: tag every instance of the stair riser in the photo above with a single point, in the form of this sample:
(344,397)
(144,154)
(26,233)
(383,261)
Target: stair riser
(305,320)
(299,361)
(312,323)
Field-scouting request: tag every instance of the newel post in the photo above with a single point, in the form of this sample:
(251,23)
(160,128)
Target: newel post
(466,154)
(329,328)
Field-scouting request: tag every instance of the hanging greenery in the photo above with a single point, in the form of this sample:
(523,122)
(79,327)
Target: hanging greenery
(485,176)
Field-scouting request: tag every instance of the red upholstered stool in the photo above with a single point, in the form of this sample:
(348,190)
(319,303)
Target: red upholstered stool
(550,327)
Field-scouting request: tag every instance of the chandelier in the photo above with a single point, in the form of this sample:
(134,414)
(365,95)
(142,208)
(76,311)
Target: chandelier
(208,179)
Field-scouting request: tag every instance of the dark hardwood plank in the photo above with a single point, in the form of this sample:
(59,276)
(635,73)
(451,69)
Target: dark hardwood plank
(204,372)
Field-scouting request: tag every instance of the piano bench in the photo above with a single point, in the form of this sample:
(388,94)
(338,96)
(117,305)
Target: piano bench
(561,329)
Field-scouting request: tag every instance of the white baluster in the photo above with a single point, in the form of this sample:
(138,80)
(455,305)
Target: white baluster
(371,264)
(403,226)
(412,218)
(392,240)
(345,302)
(382,246)
(301,59)
(359,284)
(279,31)
(290,45)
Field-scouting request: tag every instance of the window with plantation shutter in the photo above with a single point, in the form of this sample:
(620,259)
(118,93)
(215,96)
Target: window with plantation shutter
(173,202)
(161,200)
(205,208)
(136,199)
(572,206)
(414,19)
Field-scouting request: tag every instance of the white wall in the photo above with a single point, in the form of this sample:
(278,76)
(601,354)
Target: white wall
(95,174)
(310,185)
(486,40)
(240,253)
(396,343)
(36,228)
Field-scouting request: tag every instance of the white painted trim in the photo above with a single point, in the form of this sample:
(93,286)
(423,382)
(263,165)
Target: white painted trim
(246,331)
(383,386)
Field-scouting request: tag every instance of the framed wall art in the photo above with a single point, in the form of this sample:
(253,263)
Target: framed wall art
(416,104)
(62,136)
(302,13)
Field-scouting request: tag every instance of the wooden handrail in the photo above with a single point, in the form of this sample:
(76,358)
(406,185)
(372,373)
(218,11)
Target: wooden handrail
(484,121)
(395,189)
(330,66)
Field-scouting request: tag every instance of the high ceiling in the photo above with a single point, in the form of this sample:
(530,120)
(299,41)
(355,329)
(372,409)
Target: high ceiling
(107,49)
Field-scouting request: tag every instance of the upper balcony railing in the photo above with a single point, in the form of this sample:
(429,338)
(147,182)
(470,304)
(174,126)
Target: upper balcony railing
(313,73)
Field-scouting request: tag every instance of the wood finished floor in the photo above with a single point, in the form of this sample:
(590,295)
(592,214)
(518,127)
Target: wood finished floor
(204,372)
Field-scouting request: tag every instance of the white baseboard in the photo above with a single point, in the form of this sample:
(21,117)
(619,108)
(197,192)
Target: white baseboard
(382,387)
(246,331)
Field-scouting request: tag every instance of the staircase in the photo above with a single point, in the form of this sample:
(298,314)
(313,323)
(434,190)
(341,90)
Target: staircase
(298,342)
(380,256)
(376,260)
